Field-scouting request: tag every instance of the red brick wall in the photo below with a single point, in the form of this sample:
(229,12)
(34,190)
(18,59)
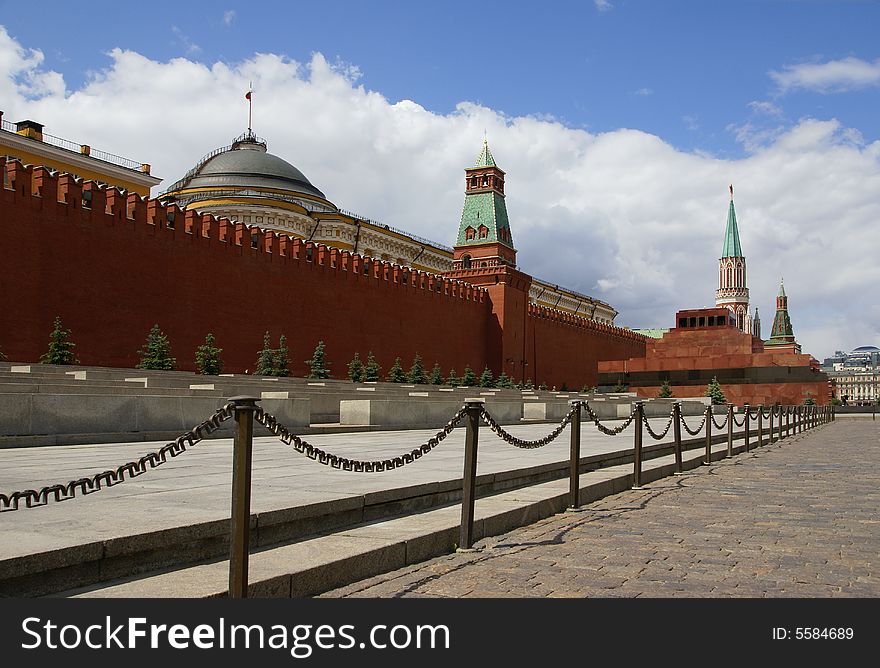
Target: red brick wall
(111,277)
(562,348)
(113,270)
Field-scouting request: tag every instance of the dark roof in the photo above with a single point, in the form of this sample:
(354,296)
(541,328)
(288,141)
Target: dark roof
(248,165)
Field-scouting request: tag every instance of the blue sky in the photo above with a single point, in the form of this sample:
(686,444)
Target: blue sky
(689,71)
(620,124)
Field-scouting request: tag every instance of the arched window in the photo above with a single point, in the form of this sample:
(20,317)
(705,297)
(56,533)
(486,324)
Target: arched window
(729,277)
(484,231)
(739,276)
(470,232)
(465,261)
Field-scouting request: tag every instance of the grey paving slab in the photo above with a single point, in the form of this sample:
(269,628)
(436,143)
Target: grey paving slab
(799,519)
(195,486)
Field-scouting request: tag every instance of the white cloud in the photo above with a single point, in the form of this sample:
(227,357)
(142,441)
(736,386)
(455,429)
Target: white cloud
(190,47)
(765,108)
(834,76)
(229,17)
(621,215)
(644,92)
(603,5)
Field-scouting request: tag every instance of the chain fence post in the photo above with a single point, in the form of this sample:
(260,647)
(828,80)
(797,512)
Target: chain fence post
(730,430)
(760,425)
(637,445)
(575,463)
(746,423)
(770,437)
(787,421)
(242,457)
(676,434)
(469,479)
(708,457)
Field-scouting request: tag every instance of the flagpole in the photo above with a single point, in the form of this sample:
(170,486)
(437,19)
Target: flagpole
(250,106)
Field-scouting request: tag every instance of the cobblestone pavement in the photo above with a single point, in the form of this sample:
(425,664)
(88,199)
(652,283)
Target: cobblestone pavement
(794,519)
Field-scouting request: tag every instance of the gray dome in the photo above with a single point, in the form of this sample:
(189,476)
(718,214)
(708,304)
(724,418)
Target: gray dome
(247,165)
(866,349)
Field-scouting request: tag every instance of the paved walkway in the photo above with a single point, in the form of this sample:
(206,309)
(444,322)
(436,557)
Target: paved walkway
(796,519)
(195,487)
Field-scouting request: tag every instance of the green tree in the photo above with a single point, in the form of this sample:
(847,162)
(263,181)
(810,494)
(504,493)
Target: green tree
(504,381)
(470,378)
(417,373)
(265,359)
(452,380)
(714,392)
(318,364)
(356,369)
(156,352)
(396,374)
(486,378)
(208,360)
(620,387)
(665,390)
(281,358)
(60,346)
(543,386)
(372,370)
(564,387)
(528,385)
(436,375)
(2,356)
(809,401)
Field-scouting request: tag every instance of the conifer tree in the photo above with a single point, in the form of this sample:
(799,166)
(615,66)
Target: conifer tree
(453,380)
(372,370)
(318,364)
(2,356)
(470,378)
(809,401)
(281,358)
(564,387)
(542,386)
(156,352)
(265,359)
(486,378)
(714,392)
(620,387)
(356,369)
(60,346)
(504,381)
(416,373)
(436,375)
(528,385)
(665,390)
(208,360)
(396,374)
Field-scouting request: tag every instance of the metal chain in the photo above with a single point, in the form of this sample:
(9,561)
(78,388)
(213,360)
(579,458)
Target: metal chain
(35,498)
(767,414)
(654,435)
(520,443)
(698,429)
(601,427)
(358,466)
(715,422)
(739,423)
(754,415)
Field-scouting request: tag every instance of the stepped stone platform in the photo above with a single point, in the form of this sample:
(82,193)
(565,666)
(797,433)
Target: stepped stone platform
(313,527)
(58,405)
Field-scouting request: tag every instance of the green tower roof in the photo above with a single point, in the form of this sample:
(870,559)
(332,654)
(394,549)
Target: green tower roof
(485,158)
(732,247)
(486,209)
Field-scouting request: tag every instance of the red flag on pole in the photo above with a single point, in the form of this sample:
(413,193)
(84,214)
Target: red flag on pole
(247,95)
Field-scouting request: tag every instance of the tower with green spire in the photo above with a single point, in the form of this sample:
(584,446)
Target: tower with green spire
(732,289)
(484,237)
(782,335)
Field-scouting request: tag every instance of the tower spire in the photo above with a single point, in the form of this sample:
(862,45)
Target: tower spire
(782,333)
(732,289)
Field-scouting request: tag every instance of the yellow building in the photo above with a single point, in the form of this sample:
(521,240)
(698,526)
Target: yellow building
(25,141)
(246,183)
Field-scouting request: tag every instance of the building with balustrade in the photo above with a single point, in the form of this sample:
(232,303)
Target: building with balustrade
(245,183)
(26,142)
